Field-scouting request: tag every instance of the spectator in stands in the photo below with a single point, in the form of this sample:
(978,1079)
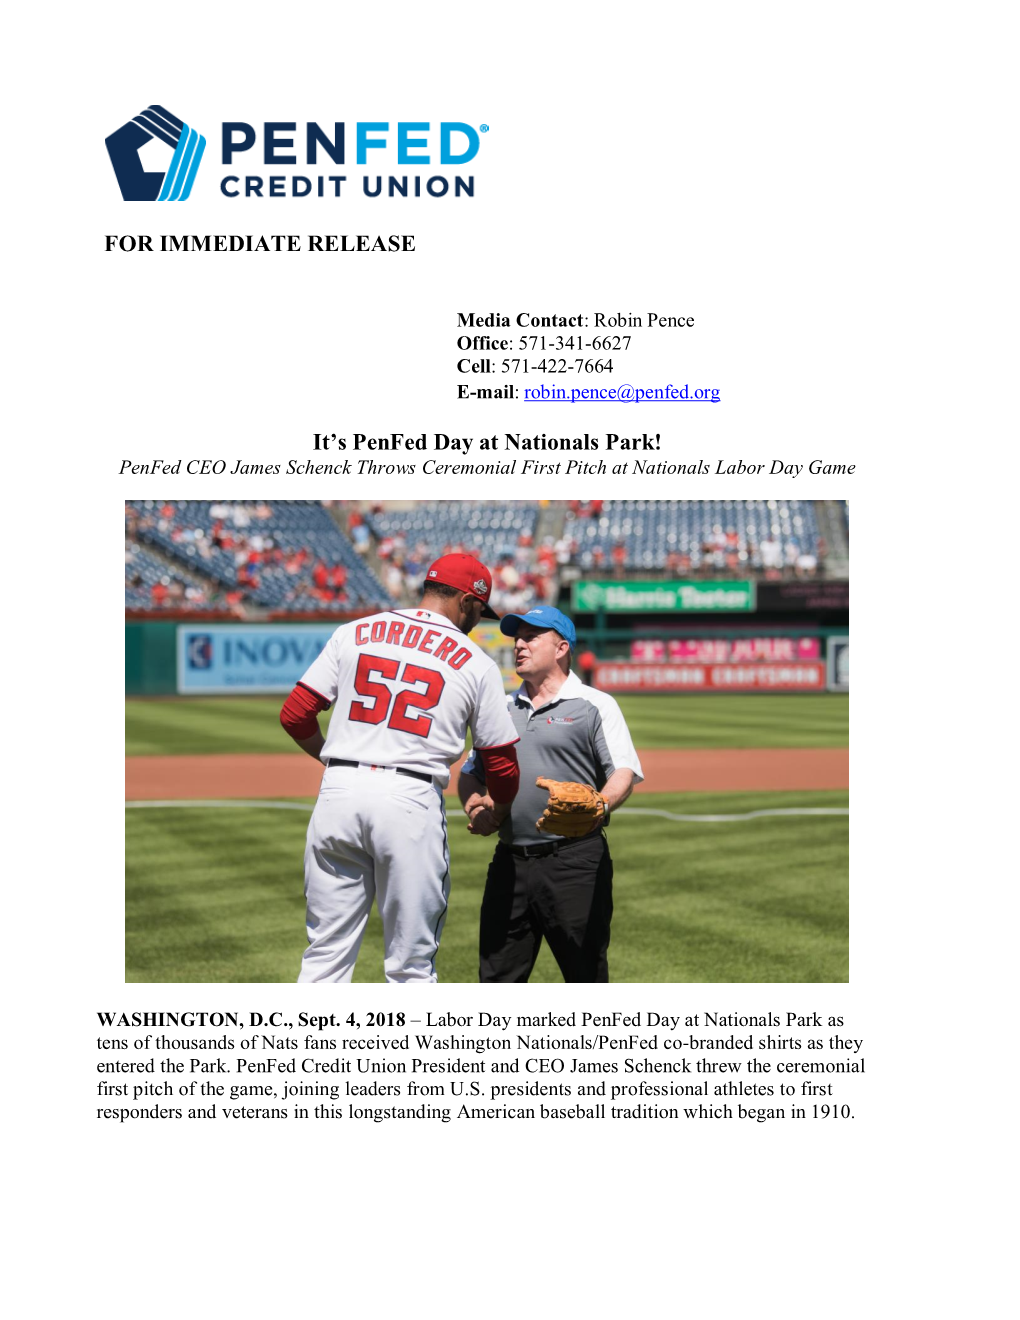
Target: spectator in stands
(415,562)
(586,663)
(359,533)
(619,558)
(393,581)
(771,556)
(507,574)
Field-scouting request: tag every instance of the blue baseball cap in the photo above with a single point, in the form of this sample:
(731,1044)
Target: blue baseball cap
(542,616)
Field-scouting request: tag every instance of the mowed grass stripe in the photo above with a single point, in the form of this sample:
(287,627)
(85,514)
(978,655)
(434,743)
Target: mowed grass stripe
(216,895)
(696,804)
(779,720)
(199,726)
(210,898)
(203,725)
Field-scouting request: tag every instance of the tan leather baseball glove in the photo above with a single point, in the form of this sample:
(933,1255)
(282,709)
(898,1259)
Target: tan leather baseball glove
(573,809)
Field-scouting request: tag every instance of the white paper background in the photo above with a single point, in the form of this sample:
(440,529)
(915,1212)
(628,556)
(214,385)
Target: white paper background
(817,187)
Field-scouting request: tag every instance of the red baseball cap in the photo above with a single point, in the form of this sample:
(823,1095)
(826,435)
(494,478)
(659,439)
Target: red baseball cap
(464,573)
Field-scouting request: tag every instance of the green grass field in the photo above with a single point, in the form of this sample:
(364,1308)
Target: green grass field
(198,726)
(214,894)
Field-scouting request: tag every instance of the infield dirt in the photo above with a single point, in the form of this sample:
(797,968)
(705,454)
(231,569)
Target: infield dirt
(273,775)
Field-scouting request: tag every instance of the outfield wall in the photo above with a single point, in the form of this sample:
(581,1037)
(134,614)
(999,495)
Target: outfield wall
(150,658)
(168,657)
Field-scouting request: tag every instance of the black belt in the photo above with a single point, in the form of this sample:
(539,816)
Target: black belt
(353,765)
(546,849)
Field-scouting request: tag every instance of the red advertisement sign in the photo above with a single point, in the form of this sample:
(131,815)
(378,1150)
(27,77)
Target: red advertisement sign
(627,676)
(727,650)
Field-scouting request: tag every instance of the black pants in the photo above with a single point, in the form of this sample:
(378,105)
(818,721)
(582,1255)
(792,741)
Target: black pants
(566,897)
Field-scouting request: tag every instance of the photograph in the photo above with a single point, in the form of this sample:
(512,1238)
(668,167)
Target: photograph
(487,741)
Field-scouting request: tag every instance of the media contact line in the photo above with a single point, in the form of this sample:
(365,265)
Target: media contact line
(621,394)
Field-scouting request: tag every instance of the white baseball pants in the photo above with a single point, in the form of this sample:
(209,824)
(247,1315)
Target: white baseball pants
(375,834)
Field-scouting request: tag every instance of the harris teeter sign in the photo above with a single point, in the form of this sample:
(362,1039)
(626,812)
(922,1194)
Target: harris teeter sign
(665,597)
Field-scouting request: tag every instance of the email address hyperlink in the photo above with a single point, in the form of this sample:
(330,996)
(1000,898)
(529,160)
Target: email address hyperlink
(620,394)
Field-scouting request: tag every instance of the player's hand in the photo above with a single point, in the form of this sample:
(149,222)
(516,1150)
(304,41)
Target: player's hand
(475,801)
(483,822)
(480,811)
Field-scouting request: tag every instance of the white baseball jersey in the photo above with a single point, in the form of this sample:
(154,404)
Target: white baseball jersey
(407,685)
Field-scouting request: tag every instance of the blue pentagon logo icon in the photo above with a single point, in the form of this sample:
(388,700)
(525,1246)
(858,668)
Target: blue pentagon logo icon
(137,184)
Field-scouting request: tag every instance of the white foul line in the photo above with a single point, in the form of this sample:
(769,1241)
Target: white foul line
(455,811)
(743,815)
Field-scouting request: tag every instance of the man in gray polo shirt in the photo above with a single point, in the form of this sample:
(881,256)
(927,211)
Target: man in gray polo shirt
(542,885)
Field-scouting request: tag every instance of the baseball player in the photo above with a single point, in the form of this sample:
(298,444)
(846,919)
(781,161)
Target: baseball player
(407,685)
(552,876)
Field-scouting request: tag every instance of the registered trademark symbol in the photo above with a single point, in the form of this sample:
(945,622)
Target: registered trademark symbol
(485,128)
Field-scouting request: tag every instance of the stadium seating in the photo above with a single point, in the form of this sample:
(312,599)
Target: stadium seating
(650,529)
(488,530)
(143,571)
(292,543)
(502,535)
(187,531)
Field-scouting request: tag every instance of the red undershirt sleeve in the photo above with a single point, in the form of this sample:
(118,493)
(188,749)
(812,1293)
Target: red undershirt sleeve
(502,773)
(299,715)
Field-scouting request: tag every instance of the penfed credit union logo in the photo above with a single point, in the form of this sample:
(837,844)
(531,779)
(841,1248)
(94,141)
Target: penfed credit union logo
(137,184)
(287,158)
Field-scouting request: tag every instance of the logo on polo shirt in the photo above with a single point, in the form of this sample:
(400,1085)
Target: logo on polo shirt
(560,719)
